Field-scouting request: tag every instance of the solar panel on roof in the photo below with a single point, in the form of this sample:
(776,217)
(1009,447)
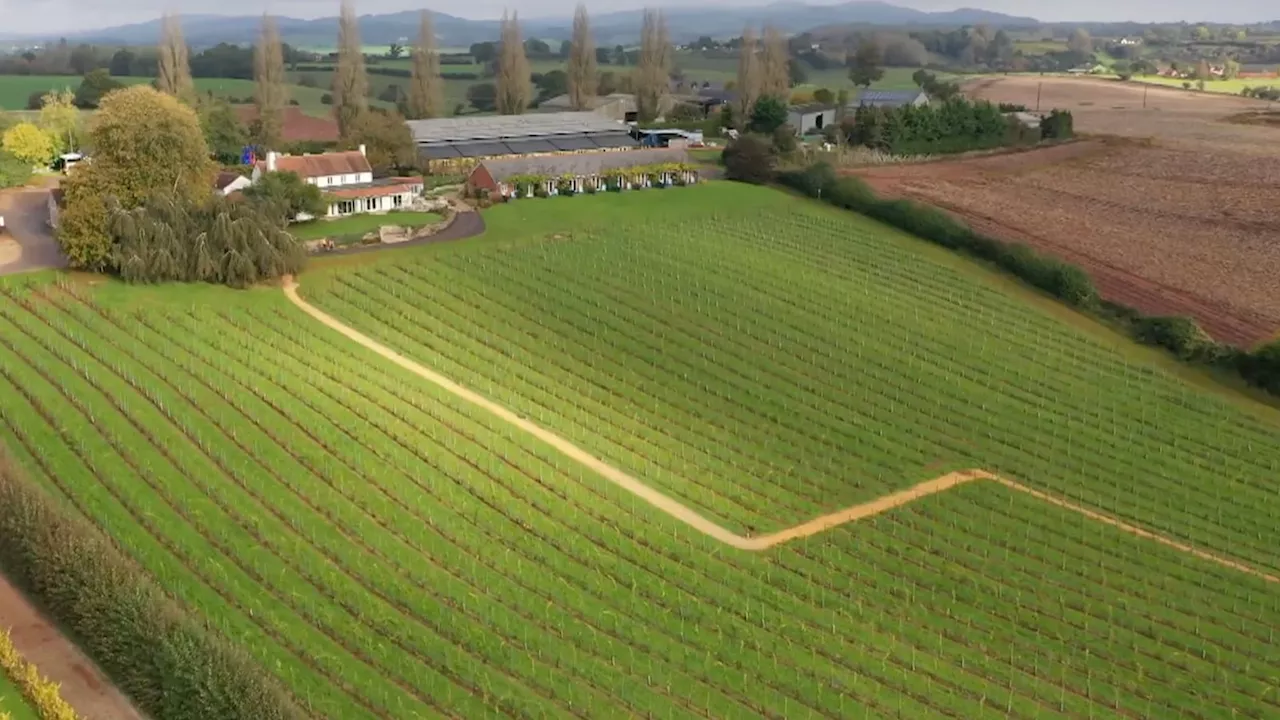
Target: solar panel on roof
(525,147)
(615,141)
(438,152)
(580,142)
(481,149)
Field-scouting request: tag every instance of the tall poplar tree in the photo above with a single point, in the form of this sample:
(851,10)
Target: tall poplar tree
(775,72)
(654,69)
(350,82)
(426,89)
(750,83)
(270,94)
(582,62)
(174,75)
(513,69)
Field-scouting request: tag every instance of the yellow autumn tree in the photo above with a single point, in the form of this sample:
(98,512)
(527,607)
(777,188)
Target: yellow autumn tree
(145,143)
(30,144)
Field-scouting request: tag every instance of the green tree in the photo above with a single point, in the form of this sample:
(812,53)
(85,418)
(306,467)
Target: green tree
(145,143)
(351,81)
(270,94)
(94,87)
(824,96)
(223,133)
(483,97)
(289,194)
(865,67)
(426,89)
(61,119)
(30,144)
(395,51)
(174,77)
(750,159)
(512,81)
(13,172)
(582,76)
(387,139)
(769,114)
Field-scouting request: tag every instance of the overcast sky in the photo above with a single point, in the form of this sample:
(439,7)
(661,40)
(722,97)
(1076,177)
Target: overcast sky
(48,16)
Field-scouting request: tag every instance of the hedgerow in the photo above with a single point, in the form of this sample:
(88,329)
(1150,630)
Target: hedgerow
(172,666)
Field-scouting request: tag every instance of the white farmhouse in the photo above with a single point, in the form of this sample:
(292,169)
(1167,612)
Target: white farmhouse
(346,179)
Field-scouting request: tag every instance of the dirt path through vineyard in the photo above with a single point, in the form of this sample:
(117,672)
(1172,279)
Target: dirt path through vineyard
(683,513)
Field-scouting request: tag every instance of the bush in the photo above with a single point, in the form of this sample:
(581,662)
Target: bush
(1058,125)
(1179,335)
(1262,367)
(326,99)
(167,662)
(749,159)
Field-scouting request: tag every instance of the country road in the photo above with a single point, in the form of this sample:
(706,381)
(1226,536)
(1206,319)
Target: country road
(26,219)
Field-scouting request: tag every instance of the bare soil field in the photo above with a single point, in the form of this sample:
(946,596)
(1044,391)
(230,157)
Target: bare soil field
(1170,217)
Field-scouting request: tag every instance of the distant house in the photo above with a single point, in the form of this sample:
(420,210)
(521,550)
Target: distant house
(811,118)
(227,182)
(889,98)
(1127,41)
(667,137)
(297,126)
(346,178)
(581,171)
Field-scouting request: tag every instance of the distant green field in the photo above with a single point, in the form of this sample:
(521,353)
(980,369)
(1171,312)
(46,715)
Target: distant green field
(16,89)
(1232,87)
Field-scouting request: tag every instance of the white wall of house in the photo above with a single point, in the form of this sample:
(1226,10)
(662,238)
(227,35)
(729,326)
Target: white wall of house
(326,181)
(382,203)
(239,183)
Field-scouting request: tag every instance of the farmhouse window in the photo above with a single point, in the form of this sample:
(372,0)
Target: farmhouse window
(397,200)
(346,207)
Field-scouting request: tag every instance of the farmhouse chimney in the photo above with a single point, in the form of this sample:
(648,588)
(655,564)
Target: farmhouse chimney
(271,161)
(362,149)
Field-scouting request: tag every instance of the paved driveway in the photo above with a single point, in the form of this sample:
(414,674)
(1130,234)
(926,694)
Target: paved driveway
(26,219)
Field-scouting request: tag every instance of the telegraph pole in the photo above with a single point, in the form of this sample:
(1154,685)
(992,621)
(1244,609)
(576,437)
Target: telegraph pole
(1039,88)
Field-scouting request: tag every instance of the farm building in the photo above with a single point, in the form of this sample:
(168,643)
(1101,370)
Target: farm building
(457,144)
(667,137)
(346,179)
(889,98)
(297,126)
(582,171)
(811,118)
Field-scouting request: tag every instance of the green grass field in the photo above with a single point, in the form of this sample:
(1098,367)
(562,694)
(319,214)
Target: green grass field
(16,89)
(1232,87)
(359,224)
(389,550)
(13,706)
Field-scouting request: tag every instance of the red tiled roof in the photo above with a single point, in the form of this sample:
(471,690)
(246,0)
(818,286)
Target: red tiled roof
(375,191)
(298,126)
(224,179)
(348,162)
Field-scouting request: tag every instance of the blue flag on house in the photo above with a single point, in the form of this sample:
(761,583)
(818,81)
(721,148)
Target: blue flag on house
(247,156)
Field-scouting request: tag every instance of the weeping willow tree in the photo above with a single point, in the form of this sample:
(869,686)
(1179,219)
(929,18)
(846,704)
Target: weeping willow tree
(229,242)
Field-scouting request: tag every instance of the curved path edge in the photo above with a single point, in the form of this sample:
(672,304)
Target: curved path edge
(690,517)
(80,682)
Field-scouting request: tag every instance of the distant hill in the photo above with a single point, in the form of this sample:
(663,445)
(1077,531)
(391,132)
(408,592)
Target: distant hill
(610,28)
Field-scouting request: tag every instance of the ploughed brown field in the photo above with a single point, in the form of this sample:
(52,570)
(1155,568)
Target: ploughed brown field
(1178,213)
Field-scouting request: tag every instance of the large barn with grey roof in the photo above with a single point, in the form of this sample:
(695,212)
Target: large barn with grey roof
(456,144)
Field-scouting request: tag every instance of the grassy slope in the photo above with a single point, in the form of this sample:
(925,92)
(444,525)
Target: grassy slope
(387,550)
(12,701)
(1232,87)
